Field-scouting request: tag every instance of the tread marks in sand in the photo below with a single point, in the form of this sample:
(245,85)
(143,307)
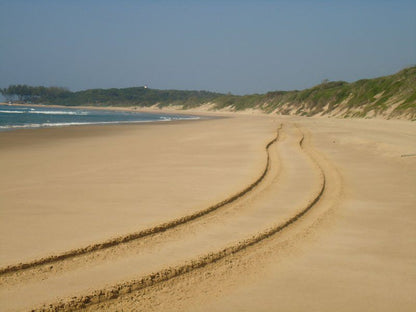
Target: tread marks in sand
(171,272)
(146,232)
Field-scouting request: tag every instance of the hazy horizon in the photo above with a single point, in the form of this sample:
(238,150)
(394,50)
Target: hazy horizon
(241,47)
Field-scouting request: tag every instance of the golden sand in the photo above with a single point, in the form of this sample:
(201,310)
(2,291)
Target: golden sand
(321,220)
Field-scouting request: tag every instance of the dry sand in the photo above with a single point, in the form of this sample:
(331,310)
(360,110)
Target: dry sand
(324,219)
(66,187)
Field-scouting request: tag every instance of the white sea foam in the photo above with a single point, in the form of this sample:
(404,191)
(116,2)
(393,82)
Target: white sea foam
(65,124)
(43,112)
(42,125)
(11,112)
(58,113)
(60,124)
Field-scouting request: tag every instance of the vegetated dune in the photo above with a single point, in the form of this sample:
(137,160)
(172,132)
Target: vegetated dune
(309,213)
(385,97)
(389,97)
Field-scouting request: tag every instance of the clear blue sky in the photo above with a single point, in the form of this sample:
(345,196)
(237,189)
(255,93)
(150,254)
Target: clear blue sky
(227,46)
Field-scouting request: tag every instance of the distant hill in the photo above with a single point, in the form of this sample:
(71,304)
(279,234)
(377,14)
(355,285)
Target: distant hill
(136,96)
(387,97)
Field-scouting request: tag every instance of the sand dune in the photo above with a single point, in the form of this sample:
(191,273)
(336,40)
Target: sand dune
(249,213)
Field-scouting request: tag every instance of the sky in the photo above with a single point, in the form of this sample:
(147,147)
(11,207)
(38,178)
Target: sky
(241,47)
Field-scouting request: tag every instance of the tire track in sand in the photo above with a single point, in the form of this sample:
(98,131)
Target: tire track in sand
(234,273)
(146,232)
(166,274)
(152,243)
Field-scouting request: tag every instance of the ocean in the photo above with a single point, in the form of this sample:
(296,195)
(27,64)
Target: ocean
(21,117)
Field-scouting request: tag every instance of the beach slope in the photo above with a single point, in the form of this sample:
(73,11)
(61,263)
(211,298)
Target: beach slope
(244,213)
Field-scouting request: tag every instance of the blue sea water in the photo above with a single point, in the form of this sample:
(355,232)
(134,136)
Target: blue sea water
(20,117)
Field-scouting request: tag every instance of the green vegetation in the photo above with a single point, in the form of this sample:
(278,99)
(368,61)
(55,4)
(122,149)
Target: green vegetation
(390,96)
(139,96)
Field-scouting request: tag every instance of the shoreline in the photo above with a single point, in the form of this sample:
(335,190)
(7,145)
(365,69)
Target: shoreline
(187,116)
(67,188)
(217,156)
(131,153)
(139,109)
(206,110)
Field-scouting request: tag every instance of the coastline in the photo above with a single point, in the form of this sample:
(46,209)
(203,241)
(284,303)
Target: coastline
(163,116)
(50,164)
(69,187)
(200,110)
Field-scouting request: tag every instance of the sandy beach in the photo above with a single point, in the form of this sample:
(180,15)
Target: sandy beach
(240,213)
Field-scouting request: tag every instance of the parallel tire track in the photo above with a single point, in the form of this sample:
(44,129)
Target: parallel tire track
(118,290)
(146,232)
